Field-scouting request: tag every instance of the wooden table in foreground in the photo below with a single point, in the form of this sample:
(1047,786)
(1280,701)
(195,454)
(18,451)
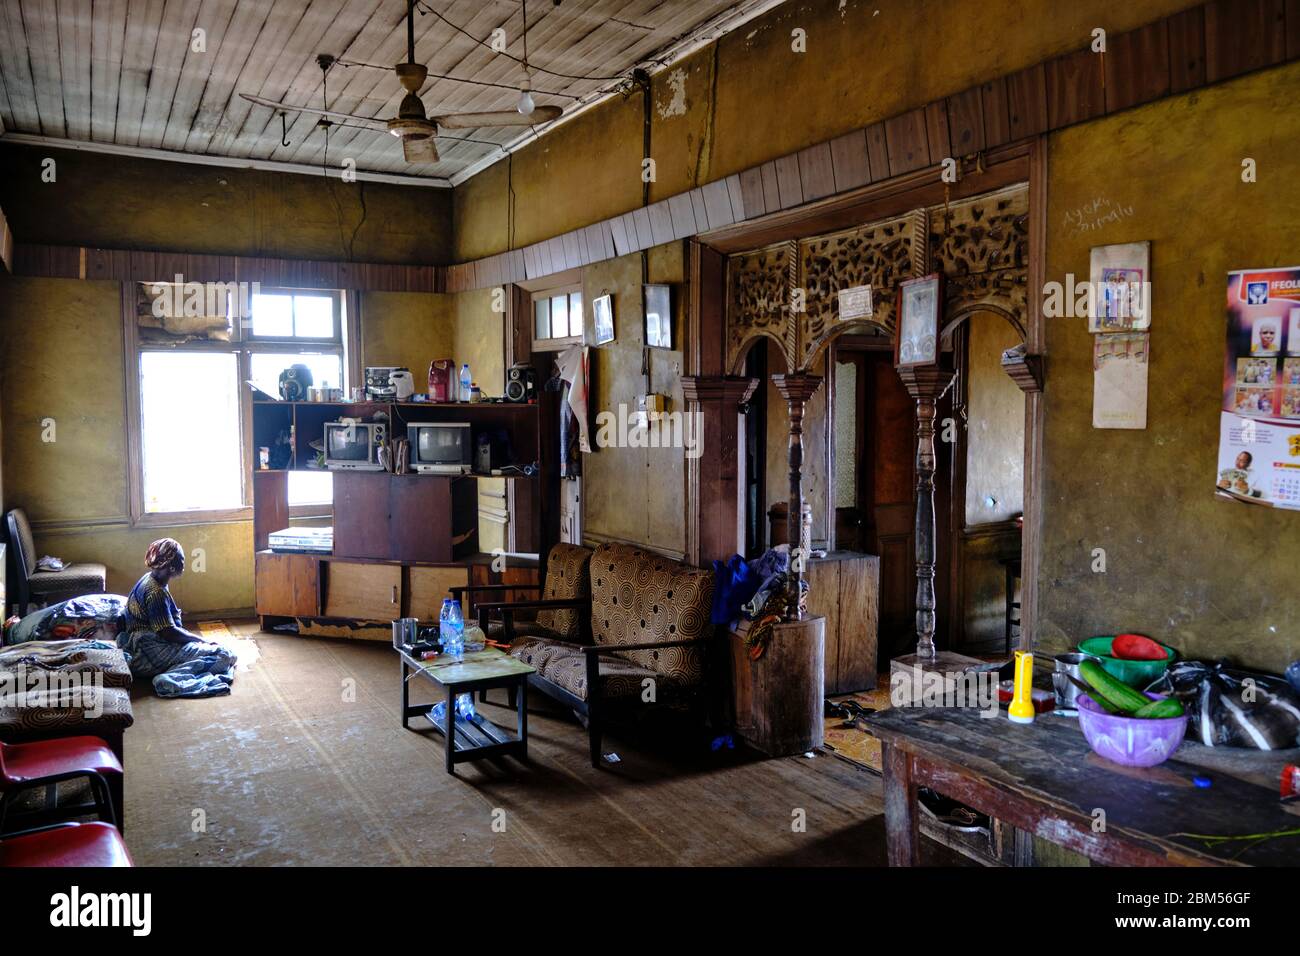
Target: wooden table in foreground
(1044,779)
(473,671)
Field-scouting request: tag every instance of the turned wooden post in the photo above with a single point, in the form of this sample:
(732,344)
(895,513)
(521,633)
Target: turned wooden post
(796,388)
(926,386)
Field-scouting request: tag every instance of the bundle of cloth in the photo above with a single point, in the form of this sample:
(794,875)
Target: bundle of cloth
(91,617)
(1231,708)
(749,598)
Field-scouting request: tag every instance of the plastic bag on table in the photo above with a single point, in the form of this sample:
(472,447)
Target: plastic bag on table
(1232,708)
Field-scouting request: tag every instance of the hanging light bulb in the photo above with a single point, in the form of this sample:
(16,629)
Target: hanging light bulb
(526,104)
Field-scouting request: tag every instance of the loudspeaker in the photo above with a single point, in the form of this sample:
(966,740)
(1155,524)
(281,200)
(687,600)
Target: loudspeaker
(521,384)
(294,382)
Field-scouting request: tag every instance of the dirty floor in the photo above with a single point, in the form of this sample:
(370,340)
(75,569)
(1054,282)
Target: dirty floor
(306,763)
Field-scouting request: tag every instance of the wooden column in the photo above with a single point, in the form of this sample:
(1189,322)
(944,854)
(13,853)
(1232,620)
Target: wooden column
(926,385)
(717,497)
(796,388)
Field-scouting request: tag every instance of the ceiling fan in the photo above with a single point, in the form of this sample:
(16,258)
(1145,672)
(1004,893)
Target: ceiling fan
(412,125)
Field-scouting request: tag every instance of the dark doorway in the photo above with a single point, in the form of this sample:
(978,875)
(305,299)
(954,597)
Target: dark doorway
(874,480)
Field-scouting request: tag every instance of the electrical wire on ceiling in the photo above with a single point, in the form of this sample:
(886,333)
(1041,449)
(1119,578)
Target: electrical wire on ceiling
(425,8)
(459,79)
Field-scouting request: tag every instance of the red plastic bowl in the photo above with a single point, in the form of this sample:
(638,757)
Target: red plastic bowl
(1130,741)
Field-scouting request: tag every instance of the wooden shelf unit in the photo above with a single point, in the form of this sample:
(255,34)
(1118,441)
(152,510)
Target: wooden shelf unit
(401,542)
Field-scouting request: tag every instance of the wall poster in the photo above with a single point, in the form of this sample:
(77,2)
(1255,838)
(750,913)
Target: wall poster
(1259,422)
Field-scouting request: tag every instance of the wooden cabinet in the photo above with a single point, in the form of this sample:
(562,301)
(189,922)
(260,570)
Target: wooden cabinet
(428,586)
(404,518)
(844,588)
(286,585)
(366,592)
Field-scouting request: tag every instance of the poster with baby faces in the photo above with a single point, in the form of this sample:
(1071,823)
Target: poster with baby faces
(1259,428)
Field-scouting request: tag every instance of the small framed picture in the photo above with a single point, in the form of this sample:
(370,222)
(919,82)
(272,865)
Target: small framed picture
(919,302)
(602,310)
(659,316)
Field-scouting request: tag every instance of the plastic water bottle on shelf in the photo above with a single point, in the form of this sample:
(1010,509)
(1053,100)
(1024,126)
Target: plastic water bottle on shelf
(465,706)
(466,382)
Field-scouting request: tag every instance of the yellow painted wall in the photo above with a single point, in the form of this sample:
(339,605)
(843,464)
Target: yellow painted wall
(1210,577)
(120,202)
(408,329)
(62,354)
(478,338)
(749,98)
(635,494)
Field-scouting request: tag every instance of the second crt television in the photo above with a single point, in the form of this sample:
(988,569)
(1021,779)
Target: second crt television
(354,446)
(440,448)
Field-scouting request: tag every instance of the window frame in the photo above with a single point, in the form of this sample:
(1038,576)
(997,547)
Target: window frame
(562,343)
(243,344)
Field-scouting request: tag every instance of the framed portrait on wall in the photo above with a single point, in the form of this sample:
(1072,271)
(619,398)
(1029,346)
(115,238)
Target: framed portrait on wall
(659,316)
(920,302)
(602,310)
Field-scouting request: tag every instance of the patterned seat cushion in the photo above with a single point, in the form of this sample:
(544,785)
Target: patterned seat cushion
(620,679)
(638,597)
(73,581)
(539,651)
(114,712)
(567,576)
(497,630)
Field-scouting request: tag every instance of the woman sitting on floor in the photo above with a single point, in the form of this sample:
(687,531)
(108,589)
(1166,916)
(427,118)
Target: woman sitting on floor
(180,663)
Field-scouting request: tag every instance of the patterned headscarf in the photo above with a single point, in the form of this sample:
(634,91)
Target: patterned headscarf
(165,554)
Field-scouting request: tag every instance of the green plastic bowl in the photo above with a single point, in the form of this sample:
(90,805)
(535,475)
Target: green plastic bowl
(1134,673)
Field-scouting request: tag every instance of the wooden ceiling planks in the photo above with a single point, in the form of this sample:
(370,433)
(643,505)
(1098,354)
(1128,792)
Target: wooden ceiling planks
(171,55)
(233,49)
(214,18)
(124,72)
(107,37)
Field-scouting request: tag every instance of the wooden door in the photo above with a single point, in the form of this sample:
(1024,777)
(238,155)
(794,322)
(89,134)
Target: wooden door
(429,586)
(367,592)
(890,519)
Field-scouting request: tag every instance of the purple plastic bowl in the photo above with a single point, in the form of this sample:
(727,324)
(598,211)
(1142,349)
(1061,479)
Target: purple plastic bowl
(1130,741)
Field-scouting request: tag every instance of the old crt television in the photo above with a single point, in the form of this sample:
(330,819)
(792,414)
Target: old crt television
(354,446)
(440,448)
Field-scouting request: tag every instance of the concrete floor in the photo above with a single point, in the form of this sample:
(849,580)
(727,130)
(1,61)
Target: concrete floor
(306,763)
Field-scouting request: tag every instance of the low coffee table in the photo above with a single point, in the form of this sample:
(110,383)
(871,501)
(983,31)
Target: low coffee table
(473,671)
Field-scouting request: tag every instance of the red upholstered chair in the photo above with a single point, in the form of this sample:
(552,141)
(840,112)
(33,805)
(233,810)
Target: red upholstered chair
(66,844)
(43,763)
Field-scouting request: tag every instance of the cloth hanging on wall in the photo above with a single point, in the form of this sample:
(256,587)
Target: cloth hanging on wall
(574,370)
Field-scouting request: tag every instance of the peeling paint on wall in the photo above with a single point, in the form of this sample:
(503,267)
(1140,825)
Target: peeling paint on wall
(676,105)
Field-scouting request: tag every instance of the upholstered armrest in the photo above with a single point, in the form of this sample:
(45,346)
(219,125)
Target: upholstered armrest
(471,588)
(536,605)
(507,611)
(647,646)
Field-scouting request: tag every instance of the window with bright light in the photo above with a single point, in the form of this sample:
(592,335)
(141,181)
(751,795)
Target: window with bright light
(557,318)
(292,315)
(194,401)
(190,431)
(306,487)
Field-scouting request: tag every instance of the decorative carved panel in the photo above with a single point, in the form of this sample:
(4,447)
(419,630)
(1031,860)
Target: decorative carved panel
(878,255)
(981,246)
(983,234)
(759,288)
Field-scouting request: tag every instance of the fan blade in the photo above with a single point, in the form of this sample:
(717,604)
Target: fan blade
(370,121)
(416,150)
(542,114)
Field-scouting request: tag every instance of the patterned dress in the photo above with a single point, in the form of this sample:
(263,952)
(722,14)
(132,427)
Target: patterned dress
(193,669)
